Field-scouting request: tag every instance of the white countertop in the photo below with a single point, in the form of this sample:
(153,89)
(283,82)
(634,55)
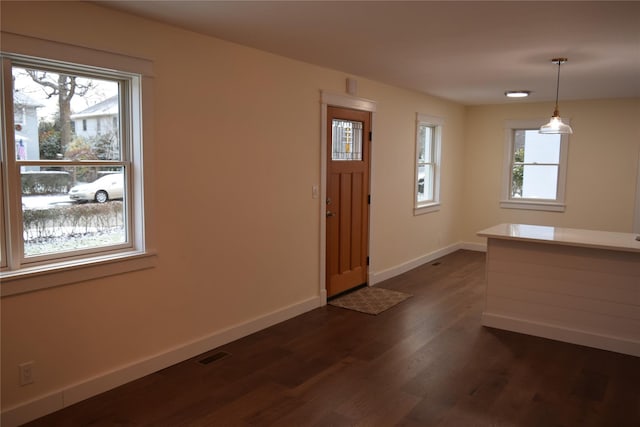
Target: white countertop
(564,236)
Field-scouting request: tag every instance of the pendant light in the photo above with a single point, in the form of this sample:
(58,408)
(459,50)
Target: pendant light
(555,125)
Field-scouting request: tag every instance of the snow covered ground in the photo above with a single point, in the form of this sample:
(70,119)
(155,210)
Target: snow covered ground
(42,202)
(66,240)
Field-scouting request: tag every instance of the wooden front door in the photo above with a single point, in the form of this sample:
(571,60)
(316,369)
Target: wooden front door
(348,157)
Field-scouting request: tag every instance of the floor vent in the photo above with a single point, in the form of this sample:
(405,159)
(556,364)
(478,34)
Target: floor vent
(205,360)
(436,263)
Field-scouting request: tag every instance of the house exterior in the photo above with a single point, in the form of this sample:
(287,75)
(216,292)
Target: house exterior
(99,119)
(25,122)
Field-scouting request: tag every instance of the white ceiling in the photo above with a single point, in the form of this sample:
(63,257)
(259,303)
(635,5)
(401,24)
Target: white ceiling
(469,52)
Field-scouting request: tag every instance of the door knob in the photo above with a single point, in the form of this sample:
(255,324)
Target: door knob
(329,213)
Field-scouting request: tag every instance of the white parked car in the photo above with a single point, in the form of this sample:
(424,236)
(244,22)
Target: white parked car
(103,189)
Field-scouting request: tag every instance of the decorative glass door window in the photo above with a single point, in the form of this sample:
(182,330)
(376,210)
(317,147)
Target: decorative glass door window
(346,137)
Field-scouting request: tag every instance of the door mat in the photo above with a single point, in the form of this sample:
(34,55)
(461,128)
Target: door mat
(370,300)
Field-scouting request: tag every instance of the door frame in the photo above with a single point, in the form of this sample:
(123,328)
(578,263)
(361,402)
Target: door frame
(343,101)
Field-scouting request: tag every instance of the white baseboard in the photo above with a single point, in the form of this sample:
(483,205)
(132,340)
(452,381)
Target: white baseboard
(85,389)
(383,275)
(560,333)
(478,247)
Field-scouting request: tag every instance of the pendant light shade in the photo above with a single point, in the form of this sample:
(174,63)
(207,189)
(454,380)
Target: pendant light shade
(556,125)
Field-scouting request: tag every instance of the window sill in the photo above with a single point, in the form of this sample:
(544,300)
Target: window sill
(49,276)
(533,205)
(424,209)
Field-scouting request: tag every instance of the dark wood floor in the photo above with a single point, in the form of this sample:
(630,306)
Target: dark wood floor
(425,362)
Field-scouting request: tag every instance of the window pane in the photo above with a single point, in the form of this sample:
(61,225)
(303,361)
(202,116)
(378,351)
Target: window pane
(65,116)
(531,178)
(516,180)
(59,216)
(425,183)
(533,147)
(535,182)
(425,144)
(346,137)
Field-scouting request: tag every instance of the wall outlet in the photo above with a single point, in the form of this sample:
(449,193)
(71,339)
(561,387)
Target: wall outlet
(26,373)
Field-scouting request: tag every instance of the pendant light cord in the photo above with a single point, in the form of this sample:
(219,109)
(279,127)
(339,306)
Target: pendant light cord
(558,61)
(558,87)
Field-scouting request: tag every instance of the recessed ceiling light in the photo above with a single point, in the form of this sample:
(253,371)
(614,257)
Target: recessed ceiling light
(517,93)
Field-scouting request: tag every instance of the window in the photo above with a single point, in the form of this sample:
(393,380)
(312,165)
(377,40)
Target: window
(347,140)
(19,114)
(535,168)
(427,175)
(68,200)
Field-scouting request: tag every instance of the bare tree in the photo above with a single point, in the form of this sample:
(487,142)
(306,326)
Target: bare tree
(65,87)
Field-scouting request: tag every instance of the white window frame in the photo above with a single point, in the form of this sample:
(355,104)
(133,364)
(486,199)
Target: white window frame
(437,123)
(507,202)
(18,277)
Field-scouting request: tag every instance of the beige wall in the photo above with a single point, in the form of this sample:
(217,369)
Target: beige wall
(398,235)
(236,153)
(601,173)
